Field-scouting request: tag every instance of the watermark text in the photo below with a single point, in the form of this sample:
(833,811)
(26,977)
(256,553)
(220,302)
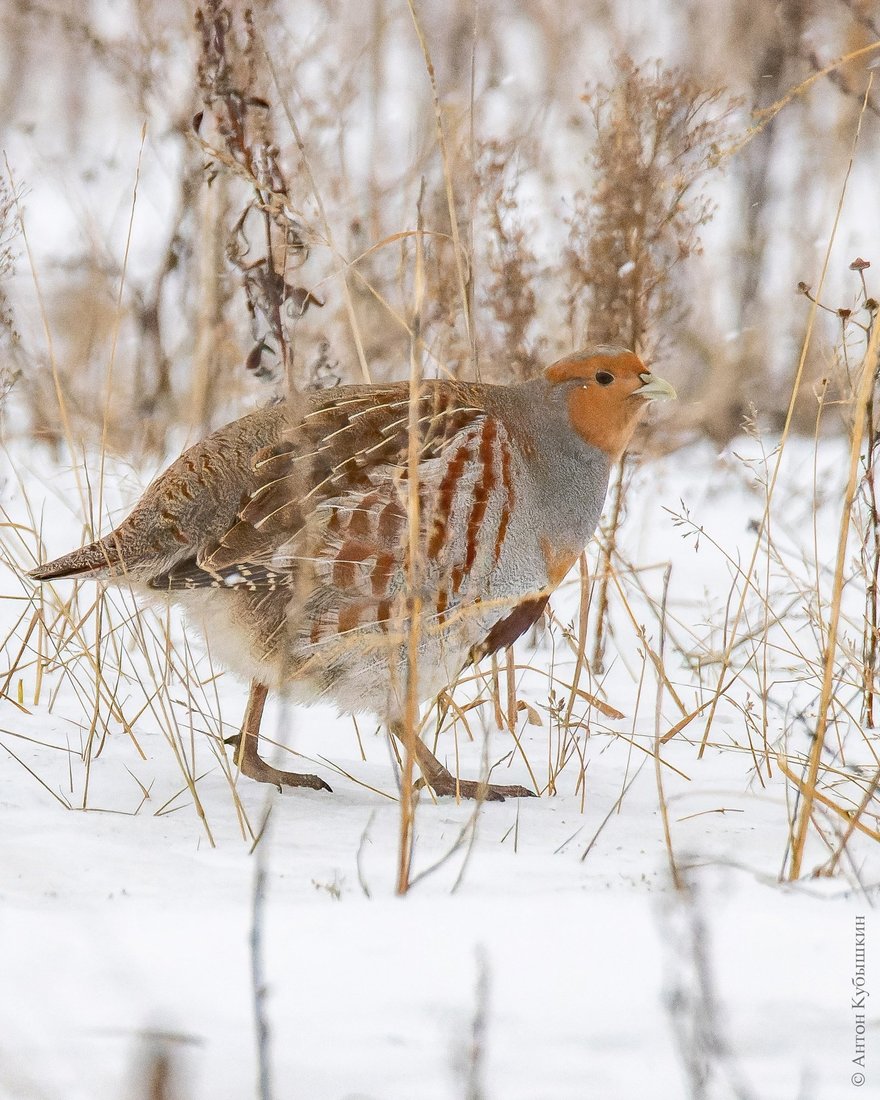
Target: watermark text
(858,1004)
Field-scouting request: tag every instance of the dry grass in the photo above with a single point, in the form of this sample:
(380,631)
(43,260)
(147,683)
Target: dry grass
(445,260)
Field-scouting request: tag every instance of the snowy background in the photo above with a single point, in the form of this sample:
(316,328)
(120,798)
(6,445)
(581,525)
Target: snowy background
(126,927)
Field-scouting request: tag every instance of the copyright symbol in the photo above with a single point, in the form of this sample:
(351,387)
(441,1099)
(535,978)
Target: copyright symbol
(858,1079)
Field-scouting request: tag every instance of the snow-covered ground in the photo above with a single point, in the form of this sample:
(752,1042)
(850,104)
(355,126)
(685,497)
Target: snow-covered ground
(542,951)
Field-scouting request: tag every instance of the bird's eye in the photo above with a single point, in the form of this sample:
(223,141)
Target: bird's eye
(604,377)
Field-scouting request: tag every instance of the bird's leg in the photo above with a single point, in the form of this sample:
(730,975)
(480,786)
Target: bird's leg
(442,781)
(250,763)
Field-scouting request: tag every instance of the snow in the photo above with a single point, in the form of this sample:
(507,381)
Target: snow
(126,910)
(126,926)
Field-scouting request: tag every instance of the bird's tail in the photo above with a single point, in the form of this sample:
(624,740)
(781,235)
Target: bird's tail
(97,557)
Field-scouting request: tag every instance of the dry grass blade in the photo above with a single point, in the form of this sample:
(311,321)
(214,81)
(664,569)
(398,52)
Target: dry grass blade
(809,790)
(808,786)
(413,609)
(768,114)
(658,772)
(58,798)
(656,658)
(598,704)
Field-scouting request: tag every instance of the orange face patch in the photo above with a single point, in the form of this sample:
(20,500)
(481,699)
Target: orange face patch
(604,410)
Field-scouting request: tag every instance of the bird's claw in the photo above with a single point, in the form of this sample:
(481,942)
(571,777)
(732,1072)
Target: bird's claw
(470,788)
(256,768)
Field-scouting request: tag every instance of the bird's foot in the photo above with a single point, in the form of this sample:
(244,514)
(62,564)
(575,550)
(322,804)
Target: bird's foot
(254,767)
(446,783)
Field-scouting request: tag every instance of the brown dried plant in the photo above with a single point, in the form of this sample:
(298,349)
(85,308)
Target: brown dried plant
(267,241)
(656,136)
(9,337)
(508,295)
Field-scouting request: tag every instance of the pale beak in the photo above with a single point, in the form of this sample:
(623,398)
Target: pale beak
(655,389)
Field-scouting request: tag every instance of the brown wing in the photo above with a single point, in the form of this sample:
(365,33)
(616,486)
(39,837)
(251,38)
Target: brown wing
(331,497)
(348,441)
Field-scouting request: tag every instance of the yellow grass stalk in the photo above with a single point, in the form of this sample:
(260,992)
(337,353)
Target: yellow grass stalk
(808,787)
(767,114)
(852,819)
(413,607)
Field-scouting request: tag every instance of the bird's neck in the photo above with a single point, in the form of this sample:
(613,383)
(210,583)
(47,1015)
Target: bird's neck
(570,474)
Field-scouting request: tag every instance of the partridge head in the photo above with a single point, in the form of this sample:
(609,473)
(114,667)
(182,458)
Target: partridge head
(609,390)
(312,543)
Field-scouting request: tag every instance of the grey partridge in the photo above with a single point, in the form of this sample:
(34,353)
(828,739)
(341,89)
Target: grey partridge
(308,540)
